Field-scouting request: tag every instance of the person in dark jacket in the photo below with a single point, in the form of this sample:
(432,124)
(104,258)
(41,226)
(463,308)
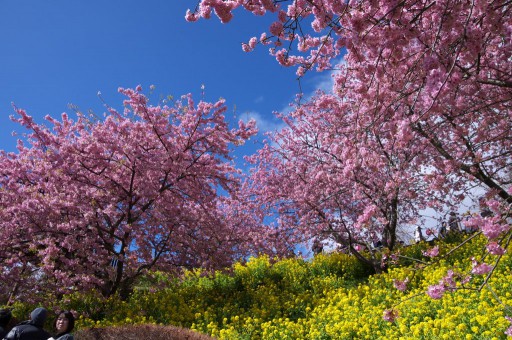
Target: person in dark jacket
(5,317)
(31,329)
(64,324)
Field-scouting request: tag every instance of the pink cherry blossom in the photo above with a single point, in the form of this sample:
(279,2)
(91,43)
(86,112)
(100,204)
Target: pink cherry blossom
(390,315)
(401,285)
(96,203)
(509,329)
(495,249)
(480,268)
(432,252)
(453,103)
(436,291)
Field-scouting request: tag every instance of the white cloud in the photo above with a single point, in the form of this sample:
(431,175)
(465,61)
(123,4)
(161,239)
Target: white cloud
(316,81)
(259,99)
(264,124)
(324,80)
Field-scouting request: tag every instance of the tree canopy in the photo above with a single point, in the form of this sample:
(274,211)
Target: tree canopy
(418,114)
(96,202)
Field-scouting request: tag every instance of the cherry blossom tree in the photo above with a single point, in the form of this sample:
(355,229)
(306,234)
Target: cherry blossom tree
(324,177)
(96,203)
(437,74)
(440,71)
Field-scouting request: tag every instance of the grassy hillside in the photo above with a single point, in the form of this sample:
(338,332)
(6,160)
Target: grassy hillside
(329,297)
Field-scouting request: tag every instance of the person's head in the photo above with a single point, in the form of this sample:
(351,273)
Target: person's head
(38,316)
(64,323)
(5,317)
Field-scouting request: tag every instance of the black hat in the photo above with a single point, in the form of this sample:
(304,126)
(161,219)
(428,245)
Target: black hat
(5,316)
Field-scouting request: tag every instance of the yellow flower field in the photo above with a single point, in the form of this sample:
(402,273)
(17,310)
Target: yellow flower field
(328,297)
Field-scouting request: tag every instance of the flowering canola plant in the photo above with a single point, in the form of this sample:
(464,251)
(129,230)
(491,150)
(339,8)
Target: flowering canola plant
(328,297)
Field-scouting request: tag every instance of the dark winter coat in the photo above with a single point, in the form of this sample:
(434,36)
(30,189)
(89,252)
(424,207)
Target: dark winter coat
(5,317)
(32,329)
(3,332)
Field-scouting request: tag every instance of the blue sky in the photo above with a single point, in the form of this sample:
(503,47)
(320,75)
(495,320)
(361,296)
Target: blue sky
(56,53)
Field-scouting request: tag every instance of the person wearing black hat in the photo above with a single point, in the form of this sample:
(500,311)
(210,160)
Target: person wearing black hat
(31,329)
(5,317)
